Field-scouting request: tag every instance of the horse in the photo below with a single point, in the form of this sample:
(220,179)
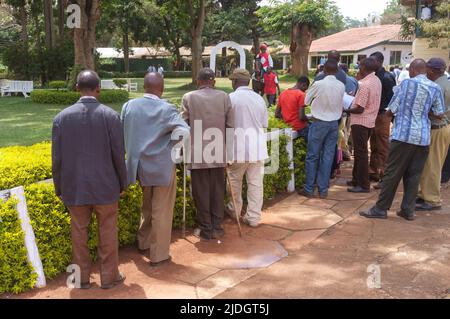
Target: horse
(257,78)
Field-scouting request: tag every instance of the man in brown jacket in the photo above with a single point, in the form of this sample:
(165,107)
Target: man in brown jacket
(209,113)
(89,174)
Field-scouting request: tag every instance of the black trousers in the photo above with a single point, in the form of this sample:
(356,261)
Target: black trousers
(360,137)
(406,161)
(446,170)
(208,190)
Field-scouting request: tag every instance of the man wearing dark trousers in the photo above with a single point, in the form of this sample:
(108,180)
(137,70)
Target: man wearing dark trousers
(411,105)
(89,174)
(379,141)
(363,116)
(208,111)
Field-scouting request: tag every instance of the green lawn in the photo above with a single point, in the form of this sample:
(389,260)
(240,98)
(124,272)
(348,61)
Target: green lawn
(23,122)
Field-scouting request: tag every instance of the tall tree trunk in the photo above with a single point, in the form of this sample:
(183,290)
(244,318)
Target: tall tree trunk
(126,51)
(84,37)
(198,23)
(301,39)
(224,61)
(37,27)
(24,25)
(177,59)
(62,4)
(48,21)
(256,42)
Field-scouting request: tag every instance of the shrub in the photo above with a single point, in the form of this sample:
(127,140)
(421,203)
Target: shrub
(16,273)
(21,165)
(58,85)
(299,162)
(71,97)
(120,82)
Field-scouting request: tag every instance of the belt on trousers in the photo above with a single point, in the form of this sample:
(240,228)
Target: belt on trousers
(437,127)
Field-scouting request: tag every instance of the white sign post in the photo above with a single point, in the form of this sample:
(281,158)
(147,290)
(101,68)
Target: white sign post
(30,239)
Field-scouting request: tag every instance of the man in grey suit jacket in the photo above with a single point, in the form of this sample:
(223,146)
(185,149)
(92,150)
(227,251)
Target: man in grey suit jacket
(89,174)
(149,124)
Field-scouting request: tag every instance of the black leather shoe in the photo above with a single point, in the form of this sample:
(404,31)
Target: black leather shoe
(419,200)
(85,286)
(374,177)
(305,194)
(115,283)
(351,184)
(404,215)
(374,213)
(425,207)
(358,189)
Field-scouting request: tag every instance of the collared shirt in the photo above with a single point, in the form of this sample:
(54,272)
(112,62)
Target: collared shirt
(412,102)
(152,96)
(388,83)
(325,98)
(445,86)
(368,97)
(88,98)
(250,120)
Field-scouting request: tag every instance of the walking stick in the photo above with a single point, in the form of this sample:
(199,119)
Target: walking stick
(184,197)
(234,203)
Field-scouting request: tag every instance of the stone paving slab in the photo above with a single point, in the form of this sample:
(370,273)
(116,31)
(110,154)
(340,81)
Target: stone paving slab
(301,218)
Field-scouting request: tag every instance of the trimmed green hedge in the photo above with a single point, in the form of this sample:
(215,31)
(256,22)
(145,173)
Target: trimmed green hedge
(58,85)
(16,273)
(71,97)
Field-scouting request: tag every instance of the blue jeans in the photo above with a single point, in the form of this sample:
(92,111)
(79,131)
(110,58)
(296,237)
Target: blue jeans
(322,141)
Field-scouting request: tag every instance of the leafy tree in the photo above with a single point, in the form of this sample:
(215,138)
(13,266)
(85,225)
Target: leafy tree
(394,12)
(300,21)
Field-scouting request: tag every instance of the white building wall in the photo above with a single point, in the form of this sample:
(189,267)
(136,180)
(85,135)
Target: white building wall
(385,49)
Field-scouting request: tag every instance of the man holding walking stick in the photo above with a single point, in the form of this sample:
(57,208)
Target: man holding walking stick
(208,112)
(250,148)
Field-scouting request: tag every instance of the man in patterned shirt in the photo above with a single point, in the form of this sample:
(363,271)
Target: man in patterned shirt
(364,113)
(429,197)
(411,105)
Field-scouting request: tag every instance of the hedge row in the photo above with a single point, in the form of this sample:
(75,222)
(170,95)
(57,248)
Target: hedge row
(141,74)
(71,97)
(51,221)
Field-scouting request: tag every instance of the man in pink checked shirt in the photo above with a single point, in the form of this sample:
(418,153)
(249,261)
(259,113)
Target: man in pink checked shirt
(364,112)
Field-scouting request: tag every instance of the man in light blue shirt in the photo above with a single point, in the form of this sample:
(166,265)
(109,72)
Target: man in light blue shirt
(150,125)
(413,102)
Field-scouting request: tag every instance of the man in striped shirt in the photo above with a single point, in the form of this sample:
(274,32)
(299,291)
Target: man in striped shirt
(363,116)
(411,105)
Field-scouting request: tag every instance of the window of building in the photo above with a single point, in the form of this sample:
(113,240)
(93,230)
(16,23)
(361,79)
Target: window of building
(396,58)
(315,61)
(347,59)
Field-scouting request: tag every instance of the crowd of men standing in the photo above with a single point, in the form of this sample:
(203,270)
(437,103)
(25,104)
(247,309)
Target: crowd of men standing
(98,153)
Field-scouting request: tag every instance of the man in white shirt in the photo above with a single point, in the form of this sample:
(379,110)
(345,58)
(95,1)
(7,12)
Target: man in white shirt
(325,98)
(160,70)
(250,147)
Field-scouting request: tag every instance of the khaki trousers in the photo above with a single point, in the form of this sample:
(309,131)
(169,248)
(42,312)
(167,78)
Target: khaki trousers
(254,173)
(379,144)
(430,182)
(108,244)
(155,231)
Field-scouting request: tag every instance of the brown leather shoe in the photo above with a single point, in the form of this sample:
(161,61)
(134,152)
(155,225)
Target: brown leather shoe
(115,283)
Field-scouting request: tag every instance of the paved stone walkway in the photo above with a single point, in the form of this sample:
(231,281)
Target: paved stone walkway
(304,249)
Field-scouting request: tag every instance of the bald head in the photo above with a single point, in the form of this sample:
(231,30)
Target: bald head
(88,83)
(154,84)
(417,67)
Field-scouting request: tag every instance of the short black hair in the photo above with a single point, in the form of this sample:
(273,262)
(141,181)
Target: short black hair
(88,80)
(331,66)
(370,64)
(378,56)
(304,80)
